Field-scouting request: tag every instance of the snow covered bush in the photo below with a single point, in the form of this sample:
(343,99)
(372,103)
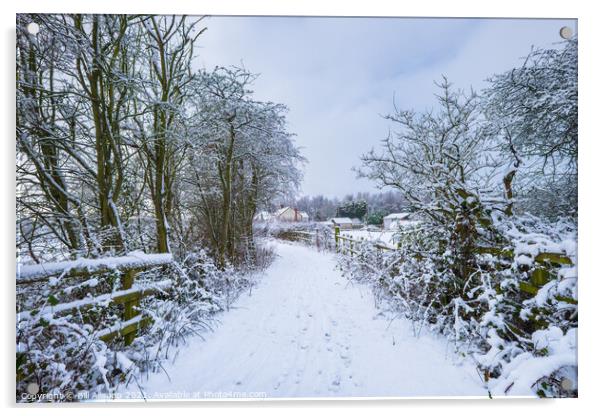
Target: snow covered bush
(61,352)
(536,295)
(479,270)
(516,315)
(62,358)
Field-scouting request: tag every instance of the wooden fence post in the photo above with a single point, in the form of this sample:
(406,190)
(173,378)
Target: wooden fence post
(337,231)
(130,308)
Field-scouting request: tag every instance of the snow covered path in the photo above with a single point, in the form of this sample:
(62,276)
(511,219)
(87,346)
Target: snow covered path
(306,332)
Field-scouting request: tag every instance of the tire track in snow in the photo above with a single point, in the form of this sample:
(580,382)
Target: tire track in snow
(306,332)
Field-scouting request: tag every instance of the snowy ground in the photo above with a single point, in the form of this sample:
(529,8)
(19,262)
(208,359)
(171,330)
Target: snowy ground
(306,332)
(382,236)
(385,237)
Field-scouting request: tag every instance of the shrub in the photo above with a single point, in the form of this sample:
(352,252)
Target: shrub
(515,314)
(62,354)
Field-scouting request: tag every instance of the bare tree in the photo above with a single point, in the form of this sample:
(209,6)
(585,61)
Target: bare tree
(535,109)
(241,155)
(444,164)
(42,139)
(170,42)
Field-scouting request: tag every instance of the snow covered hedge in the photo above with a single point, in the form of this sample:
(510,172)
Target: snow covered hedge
(59,349)
(516,314)
(500,283)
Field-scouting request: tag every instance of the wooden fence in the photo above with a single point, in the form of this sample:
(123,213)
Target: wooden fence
(335,241)
(129,295)
(307,236)
(344,244)
(315,238)
(543,263)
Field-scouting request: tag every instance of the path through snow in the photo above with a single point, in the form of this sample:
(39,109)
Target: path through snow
(306,332)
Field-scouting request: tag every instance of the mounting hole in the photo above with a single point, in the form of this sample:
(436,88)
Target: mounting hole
(566,32)
(33,388)
(33,28)
(566,384)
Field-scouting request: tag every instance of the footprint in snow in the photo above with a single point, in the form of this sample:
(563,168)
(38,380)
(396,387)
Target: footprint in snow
(336,384)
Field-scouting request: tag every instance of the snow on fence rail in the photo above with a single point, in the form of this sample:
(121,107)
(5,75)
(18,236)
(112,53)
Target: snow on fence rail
(319,237)
(345,244)
(83,267)
(129,296)
(539,276)
(118,297)
(342,244)
(545,261)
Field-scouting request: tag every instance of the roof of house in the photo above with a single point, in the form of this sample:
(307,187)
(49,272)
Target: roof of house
(356,220)
(262,215)
(341,220)
(398,216)
(281,211)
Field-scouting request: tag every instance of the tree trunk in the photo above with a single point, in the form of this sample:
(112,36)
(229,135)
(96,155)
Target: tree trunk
(227,198)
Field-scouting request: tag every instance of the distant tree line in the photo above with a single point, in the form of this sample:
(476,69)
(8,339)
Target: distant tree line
(367,206)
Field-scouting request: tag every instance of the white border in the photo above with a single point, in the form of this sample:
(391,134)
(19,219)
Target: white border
(589,182)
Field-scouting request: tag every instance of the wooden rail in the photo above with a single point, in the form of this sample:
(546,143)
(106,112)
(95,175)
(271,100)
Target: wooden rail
(310,237)
(87,267)
(342,244)
(340,241)
(540,275)
(129,296)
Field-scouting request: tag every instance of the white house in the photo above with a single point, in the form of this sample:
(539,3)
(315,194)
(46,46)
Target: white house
(263,216)
(395,220)
(288,214)
(343,223)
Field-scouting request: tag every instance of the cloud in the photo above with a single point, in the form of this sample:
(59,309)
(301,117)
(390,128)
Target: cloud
(338,75)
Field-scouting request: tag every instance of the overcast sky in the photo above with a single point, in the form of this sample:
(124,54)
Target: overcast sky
(339,75)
